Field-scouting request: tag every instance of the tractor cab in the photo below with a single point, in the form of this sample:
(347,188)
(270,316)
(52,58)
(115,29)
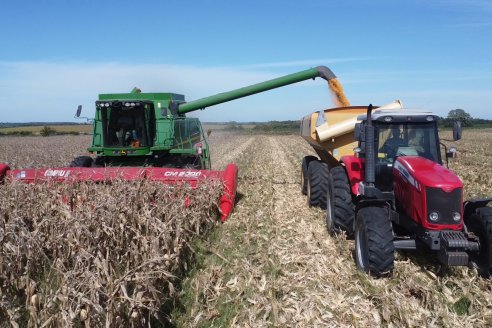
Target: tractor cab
(396,134)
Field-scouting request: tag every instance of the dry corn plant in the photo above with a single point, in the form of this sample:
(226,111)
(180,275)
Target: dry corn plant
(96,255)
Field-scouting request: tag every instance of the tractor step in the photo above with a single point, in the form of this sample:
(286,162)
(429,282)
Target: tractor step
(457,240)
(453,258)
(454,248)
(450,240)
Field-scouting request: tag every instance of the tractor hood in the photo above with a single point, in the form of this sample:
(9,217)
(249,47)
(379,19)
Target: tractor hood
(422,172)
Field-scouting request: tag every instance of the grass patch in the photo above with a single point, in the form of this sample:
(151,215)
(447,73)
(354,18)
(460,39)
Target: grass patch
(462,306)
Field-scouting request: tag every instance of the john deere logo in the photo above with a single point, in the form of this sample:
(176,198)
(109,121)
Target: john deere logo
(123,152)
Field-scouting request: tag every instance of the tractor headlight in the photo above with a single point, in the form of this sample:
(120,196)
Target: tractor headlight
(434,216)
(456,217)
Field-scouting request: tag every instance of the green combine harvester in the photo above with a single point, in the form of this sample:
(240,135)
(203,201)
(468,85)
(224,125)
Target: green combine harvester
(148,135)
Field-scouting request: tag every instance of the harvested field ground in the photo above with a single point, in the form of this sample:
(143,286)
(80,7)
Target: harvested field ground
(82,128)
(274,264)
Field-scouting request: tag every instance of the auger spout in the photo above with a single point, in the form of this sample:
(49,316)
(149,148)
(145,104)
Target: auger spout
(320,71)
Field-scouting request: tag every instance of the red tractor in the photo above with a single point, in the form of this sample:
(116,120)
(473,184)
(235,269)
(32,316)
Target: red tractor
(394,193)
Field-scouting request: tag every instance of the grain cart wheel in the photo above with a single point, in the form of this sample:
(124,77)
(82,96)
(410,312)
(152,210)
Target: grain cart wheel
(339,205)
(317,186)
(374,249)
(304,172)
(81,161)
(480,223)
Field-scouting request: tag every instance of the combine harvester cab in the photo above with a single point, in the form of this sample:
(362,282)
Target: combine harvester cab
(382,181)
(147,135)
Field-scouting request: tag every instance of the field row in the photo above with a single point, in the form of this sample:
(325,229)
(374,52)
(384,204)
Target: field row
(271,264)
(274,264)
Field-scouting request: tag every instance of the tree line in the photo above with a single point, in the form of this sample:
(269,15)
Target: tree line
(466,119)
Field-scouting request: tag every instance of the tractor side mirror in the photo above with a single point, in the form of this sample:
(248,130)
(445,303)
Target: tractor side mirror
(452,152)
(457,130)
(79,111)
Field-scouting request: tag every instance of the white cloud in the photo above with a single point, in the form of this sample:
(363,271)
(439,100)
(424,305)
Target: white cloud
(308,62)
(47,91)
(44,91)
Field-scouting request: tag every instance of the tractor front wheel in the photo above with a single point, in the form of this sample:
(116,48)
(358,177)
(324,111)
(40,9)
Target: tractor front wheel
(304,172)
(480,223)
(82,161)
(339,206)
(317,186)
(374,249)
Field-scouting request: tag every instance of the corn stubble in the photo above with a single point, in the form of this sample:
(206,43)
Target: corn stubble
(279,267)
(96,255)
(272,264)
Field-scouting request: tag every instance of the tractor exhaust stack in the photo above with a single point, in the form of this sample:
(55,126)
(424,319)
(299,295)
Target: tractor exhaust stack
(370,167)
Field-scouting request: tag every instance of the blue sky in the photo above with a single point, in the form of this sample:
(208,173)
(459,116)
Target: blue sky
(433,54)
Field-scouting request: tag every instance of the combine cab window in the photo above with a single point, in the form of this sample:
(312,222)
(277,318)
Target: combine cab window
(126,127)
(187,132)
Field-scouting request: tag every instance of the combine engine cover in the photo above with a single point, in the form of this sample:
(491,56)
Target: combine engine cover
(429,194)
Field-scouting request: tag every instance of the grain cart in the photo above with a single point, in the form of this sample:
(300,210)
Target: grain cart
(147,135)
(381,178)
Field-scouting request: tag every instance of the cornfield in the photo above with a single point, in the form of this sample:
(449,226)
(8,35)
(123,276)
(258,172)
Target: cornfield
(90,254)
(120,255)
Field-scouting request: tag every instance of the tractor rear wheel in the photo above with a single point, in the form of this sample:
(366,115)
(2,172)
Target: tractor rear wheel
(304,172)
(480,223)
(374,249)
(317,186)
(339,206)
(82,161)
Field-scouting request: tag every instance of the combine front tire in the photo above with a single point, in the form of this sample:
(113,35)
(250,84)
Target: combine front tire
(374,249)
(82,161)
(480,223)
(304,172)
(317,186)
(339,205)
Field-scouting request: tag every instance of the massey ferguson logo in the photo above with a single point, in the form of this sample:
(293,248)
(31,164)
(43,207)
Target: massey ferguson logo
(57,173)
(183,174)
(406,175)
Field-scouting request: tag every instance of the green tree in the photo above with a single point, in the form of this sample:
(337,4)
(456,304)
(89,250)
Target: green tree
(459,115)
(47,131)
